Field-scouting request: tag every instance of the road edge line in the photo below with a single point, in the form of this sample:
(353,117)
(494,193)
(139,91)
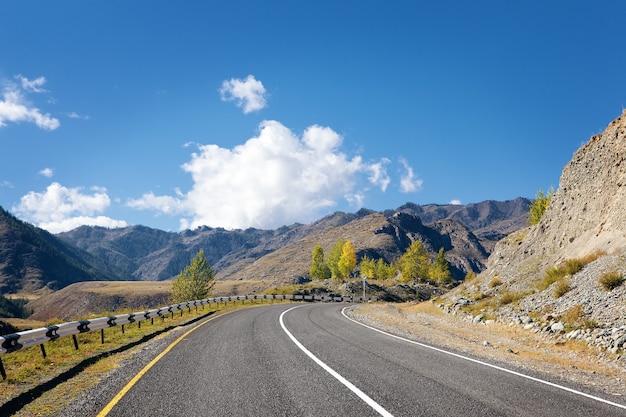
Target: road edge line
(509,371)
(363,396)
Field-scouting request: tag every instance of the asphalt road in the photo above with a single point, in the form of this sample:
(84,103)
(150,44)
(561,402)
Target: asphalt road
(310,360)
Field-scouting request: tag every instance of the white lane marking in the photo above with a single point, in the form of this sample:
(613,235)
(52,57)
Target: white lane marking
(331,371)
(541,381)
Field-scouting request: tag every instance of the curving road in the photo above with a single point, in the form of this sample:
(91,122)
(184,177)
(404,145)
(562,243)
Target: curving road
(311,360)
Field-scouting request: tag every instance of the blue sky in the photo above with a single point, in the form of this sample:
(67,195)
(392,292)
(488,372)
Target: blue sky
(244,114)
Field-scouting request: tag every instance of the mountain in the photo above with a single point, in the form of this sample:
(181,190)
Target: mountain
(32,259)
(585,223)
(284,254)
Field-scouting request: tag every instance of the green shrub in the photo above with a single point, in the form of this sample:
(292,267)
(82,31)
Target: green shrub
(539,206)
(611,280)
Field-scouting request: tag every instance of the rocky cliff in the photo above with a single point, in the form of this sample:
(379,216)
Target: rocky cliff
(586,214)
(584,225)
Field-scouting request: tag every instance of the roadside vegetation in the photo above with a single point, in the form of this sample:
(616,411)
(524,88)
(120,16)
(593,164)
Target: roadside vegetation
(195,281)
(561,272)
(65,372)
(414,266)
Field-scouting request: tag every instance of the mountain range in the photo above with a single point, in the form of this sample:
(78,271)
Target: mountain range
(34,261)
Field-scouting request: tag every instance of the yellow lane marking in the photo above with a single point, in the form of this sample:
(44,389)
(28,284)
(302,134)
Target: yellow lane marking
(106,410)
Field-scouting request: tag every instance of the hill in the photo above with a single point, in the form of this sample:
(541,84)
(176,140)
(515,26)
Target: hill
(149,254)
(32,260)
(532,270)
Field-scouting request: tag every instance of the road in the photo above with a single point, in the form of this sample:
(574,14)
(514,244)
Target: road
(310,360)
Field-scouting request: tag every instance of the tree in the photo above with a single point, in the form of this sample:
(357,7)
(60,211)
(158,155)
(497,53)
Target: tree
(332,260)
(367,266)
(414,263)
(440,269)
(195,281)
(384,270)
(539,206)
(319,270)
(347,260)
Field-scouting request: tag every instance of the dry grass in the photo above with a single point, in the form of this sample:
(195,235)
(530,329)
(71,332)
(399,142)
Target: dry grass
(611,280)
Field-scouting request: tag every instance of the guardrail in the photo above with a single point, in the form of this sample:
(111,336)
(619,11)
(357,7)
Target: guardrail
(21,340)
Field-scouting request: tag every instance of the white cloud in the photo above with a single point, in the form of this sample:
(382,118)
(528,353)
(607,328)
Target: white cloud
(59,208)
(34,86)
(408,182)
(249,93)
(47,172)
(15,108)
(271,180)
(74,115)
(456,202)
(6,184)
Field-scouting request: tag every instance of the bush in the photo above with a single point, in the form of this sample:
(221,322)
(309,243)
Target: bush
(470,276)
(573,316)
(509,297)
(572,266)
(539,206)
(552,275)
(495,282)
(611,280)
(561,288)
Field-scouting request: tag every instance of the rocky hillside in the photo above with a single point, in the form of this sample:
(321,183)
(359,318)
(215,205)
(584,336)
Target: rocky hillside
(285,253)
(32,259)
(584,226)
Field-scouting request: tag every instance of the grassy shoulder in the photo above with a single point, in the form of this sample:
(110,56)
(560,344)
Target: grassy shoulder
(43,386)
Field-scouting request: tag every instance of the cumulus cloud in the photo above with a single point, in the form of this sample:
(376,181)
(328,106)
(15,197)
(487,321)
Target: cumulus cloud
(248,94)
(456,202)
(47,172)
(273,179)
(409,183)
(60,209)
(15,108)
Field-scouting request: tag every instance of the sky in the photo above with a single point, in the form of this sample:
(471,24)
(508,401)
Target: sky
(237,114)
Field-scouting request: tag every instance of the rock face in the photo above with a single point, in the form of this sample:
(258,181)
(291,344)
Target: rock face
(586,216)
(586,213)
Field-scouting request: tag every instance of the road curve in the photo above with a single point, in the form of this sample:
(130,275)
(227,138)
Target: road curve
(312,361)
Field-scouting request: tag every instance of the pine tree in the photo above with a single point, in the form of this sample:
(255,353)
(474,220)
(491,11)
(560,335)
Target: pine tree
(195,281)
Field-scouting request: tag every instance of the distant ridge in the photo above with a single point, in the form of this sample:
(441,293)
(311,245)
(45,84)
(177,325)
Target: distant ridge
(32,260)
